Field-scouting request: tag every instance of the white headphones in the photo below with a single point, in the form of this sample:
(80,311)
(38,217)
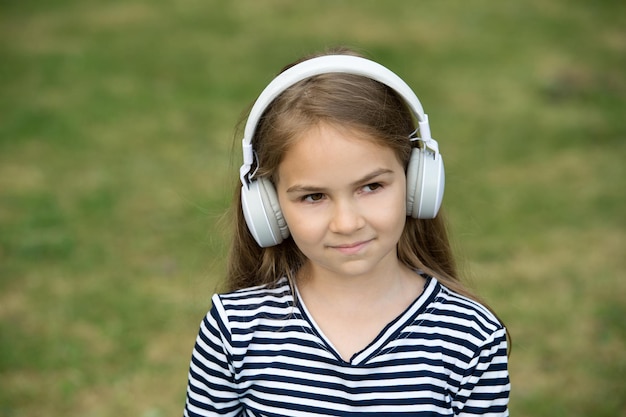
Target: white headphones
(425,177)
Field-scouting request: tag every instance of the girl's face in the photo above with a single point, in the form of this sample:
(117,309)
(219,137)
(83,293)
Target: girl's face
(344,200)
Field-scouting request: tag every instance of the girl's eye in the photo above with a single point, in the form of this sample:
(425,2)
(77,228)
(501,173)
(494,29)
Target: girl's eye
(312,198)
(372,187)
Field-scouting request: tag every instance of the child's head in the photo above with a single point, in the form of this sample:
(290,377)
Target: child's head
(344,101)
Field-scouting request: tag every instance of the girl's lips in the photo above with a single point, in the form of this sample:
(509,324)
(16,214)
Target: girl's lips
(351,248)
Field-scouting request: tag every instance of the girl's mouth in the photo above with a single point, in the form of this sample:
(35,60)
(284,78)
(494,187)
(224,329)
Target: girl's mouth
(351,248)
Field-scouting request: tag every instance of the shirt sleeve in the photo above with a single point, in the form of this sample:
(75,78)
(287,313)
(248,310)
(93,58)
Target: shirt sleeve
(485,386)
(211,389)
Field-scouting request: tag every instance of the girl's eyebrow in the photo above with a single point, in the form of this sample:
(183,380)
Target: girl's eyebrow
(300,188)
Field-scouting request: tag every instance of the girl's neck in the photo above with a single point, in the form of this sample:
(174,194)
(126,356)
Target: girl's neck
(354,291)
(351,311)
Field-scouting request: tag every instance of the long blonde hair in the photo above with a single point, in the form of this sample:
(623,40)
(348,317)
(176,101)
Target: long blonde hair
(345,100)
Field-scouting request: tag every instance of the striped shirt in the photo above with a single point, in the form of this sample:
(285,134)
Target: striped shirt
(260,354)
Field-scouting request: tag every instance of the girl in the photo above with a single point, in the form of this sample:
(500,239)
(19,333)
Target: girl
(343,295)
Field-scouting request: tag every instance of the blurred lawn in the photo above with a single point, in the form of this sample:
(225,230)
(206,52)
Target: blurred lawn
(116,128)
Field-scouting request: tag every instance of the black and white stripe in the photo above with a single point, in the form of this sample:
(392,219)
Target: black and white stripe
(258,354)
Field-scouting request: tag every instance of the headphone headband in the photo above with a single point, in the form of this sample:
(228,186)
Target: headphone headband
(346,64)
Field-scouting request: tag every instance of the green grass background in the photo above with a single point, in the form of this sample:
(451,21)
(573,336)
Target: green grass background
(116,130)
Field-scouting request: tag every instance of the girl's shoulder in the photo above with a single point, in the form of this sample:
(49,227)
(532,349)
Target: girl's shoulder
(463,312)
(255,299)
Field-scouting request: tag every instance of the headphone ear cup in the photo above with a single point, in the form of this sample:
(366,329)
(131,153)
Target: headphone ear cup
(262,212)
(425,181)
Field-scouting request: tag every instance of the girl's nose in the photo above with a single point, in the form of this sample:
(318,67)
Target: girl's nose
(346,218)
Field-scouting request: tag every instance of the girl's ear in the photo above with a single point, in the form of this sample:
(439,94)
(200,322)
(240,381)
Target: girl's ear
(425,182)
(262,213)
